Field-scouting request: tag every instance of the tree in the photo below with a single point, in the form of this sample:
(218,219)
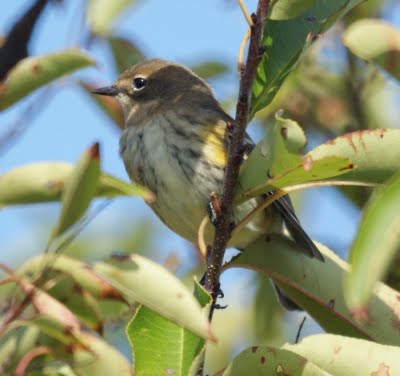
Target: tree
(58,305)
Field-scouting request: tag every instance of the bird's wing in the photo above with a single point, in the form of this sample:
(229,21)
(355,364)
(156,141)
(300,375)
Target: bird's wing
(292,223)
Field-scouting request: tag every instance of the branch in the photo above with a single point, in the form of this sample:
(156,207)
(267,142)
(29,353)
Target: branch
(223,224)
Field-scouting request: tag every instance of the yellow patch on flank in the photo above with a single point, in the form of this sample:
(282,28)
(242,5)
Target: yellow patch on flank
(213,138)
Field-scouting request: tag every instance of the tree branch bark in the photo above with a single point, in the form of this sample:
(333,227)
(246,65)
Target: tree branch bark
(235,154)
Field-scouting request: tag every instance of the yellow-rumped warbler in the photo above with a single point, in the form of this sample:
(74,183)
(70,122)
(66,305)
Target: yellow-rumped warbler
(175,143)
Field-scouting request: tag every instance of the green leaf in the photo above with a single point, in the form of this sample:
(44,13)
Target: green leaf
(148,283)
(340,356)
(369,156)
(101,359)
(14,344)
(160,346)
(33,72)
(45,182)
(374,153)
(375,245)
(317,288)
(77,270)
(79,189)
(125,53)
(266,360)
(210,69)
(286,9)
(102,14)
(276,162)
(377,41)
(286,40)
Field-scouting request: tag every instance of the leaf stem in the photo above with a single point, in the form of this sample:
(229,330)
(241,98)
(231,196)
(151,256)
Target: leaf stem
(282,192)
(245,12)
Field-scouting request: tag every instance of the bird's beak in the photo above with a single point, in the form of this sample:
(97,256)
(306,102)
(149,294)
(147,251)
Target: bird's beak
(107,90)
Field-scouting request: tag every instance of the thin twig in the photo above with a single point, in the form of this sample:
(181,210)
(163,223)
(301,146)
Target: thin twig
(300,329)
(235,154)
(245,12)
(242,48)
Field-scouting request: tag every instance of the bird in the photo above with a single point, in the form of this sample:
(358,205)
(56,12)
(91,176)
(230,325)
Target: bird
(175,143)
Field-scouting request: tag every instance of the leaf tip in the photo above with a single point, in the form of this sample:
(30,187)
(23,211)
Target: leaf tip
(94,151)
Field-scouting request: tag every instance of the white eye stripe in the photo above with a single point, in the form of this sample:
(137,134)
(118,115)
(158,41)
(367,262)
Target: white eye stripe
(139,83)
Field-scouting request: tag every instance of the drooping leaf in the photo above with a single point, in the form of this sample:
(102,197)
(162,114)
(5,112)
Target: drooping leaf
(79,271)
(338,355)
(210,69)
(370,156)
(31,73)
(125,53)
(101,359)
(79,189)
(317,288)
(285,40)
(265,360)
(102,14)
(277,162)
(374,153)
(377,41)
(45,182)
(146,282)
(375,245)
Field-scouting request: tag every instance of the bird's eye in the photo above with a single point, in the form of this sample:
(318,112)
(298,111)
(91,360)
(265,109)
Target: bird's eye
(139,83)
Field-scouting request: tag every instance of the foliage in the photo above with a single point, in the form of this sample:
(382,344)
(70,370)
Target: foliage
(57,307)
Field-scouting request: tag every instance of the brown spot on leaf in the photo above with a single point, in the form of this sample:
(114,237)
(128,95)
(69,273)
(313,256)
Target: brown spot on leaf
(307,163)
(398,297)
(36,68)
(284,132)
(349,137)
(179,295)
(337,349)
(120,256)
(348,167)
(254,349)
(360,314)
(55,185)
(383,370)
(262,360)
(331,303)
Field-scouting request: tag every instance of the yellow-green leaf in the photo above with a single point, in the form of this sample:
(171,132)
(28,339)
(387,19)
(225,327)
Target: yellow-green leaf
(45,181)
(375,245)
(79,189)
(101,14)
(33,72)
(375,40)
